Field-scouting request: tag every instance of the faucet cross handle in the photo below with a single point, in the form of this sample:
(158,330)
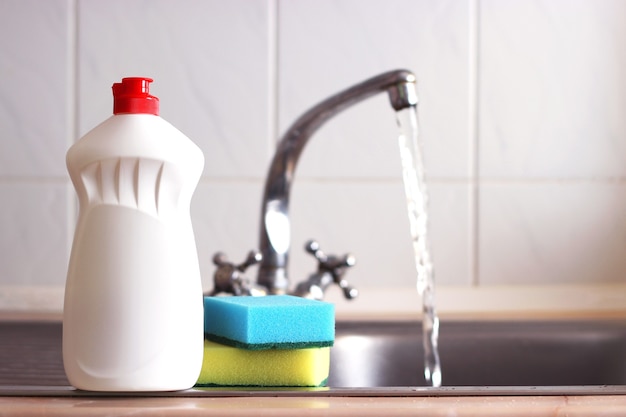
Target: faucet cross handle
(335,266)
(229,278)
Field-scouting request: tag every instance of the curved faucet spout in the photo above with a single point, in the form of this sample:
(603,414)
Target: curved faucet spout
(275,226)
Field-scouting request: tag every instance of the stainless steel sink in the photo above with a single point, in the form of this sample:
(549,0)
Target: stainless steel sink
(484,353)
(384,358)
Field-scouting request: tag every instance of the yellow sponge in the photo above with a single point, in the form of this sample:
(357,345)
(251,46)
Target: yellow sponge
(231,366)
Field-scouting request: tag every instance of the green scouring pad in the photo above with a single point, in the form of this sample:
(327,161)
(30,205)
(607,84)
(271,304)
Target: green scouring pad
(269,322)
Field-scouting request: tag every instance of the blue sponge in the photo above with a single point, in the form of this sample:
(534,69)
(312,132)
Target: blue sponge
(269,322)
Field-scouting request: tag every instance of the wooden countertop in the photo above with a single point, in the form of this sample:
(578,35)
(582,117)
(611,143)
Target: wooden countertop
(312,406)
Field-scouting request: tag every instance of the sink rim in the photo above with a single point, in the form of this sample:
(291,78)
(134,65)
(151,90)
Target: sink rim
(389,392)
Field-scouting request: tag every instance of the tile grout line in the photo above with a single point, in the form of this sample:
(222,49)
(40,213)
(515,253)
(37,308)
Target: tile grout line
(491,182)
(273,74)
(473,134)
(72,113)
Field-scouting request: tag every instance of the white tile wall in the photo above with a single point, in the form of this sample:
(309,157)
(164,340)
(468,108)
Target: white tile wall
(325,46)
(552,89)
(552,136)
(553,232)
(210,62)
(522,108)
(34,65)
(33,242)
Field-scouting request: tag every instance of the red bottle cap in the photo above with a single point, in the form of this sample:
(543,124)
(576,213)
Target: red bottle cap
(132,95)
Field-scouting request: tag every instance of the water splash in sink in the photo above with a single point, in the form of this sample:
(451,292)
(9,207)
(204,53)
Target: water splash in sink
(417,202)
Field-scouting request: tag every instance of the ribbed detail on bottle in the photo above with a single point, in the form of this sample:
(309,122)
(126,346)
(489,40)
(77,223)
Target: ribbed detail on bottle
(148,185)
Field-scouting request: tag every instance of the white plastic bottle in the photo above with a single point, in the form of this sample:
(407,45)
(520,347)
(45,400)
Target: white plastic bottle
(133,313)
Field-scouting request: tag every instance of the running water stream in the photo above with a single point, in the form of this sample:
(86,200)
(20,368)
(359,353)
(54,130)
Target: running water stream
(417,202)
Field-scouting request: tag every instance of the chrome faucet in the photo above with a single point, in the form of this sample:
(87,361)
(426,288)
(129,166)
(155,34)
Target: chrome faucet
(275,233)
